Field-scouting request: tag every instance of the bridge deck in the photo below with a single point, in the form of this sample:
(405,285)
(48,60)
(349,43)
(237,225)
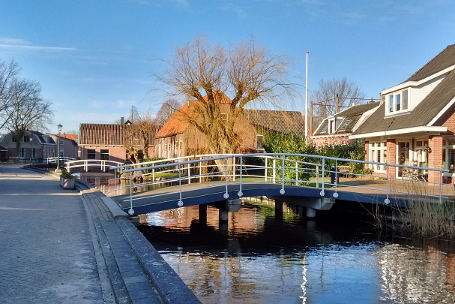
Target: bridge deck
(195,194)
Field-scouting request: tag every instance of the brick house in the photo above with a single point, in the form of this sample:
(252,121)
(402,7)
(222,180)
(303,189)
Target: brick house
(35,146)
(102,141)
(68,144)
(179,138)
(415,121)
(105,141)
(336,129)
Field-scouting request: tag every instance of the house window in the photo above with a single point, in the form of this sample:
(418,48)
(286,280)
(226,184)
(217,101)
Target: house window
(14,138)
(91,154)
(398,102)
(224,116)
(27,138)
(391,103)
(104,154)
(378,153)
(332,126)
(421,153)
(404,95)
(259,142)
(33,153)
(22,154)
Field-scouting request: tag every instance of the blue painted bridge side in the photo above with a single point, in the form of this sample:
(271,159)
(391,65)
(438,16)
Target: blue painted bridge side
(147,202)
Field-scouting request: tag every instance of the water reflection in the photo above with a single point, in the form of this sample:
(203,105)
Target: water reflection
(286,259)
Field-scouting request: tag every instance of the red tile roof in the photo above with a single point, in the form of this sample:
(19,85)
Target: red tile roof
(72,137)
(178,122)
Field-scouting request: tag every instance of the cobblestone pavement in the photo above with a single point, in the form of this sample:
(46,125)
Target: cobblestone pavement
(45,246)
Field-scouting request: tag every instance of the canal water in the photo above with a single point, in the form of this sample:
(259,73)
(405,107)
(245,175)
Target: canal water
(266,258)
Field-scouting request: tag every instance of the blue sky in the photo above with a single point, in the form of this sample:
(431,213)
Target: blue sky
(95,58)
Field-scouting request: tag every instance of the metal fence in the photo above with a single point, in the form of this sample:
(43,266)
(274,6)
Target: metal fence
(315,171)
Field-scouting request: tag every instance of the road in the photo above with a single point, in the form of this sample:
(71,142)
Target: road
(46,248)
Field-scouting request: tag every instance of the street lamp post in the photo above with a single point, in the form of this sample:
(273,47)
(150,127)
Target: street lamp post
(58,147)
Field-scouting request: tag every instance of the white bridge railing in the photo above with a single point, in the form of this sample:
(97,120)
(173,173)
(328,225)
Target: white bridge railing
(104,165)
(315,171)
(53,160)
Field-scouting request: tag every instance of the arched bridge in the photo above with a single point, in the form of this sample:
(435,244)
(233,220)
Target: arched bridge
(314,181)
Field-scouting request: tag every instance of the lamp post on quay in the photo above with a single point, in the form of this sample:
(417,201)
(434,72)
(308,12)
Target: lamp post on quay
(58,148)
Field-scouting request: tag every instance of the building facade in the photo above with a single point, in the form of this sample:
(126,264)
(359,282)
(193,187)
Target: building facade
(336,129)
(415,122)
(34,146)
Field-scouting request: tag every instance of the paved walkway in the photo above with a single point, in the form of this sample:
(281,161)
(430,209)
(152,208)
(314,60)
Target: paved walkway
(46,249)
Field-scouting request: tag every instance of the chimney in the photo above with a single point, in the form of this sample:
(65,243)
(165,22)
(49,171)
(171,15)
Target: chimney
(122,120)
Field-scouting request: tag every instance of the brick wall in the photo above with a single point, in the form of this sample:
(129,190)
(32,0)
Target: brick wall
(391,156)
(116,153)
(435,158)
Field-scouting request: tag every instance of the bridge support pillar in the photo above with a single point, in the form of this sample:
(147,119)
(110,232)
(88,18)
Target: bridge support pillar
(203,214)
(223,223)
(310,212)
(278,209)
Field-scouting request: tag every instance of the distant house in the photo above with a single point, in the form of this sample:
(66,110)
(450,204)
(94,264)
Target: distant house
(336,129)
(106,141)
(179,138)
(102,141)
(415,121)
(34,146)
(68,144)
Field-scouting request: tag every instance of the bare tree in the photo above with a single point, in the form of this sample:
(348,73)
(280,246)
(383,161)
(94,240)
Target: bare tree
(205,74)
(335,95)
(8,72)
(26,110)
(168,108)
(138,137)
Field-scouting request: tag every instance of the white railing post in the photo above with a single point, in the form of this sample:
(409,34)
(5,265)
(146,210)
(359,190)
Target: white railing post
(233,168)
(317,176)
(180,202)
(274,170)
(282,191)
(226,194)
(153,175)
(266,171)
(200,169)
(335,195)
(86,165)
(240,193)
(440,187)
(131,211)
(296,173)
(322,193)
(387,186)
(189,171)
(68,168)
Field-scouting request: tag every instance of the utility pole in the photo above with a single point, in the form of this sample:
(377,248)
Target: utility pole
(306,97)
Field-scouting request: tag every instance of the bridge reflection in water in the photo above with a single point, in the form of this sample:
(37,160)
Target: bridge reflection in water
(264,258)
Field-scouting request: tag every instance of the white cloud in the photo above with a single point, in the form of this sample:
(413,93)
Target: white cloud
(21,44)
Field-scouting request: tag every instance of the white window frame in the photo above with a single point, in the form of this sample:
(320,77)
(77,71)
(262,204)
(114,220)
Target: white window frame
(374,147)
(394,102)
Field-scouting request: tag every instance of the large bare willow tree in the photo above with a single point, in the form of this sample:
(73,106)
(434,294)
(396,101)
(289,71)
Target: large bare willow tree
(208,74)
